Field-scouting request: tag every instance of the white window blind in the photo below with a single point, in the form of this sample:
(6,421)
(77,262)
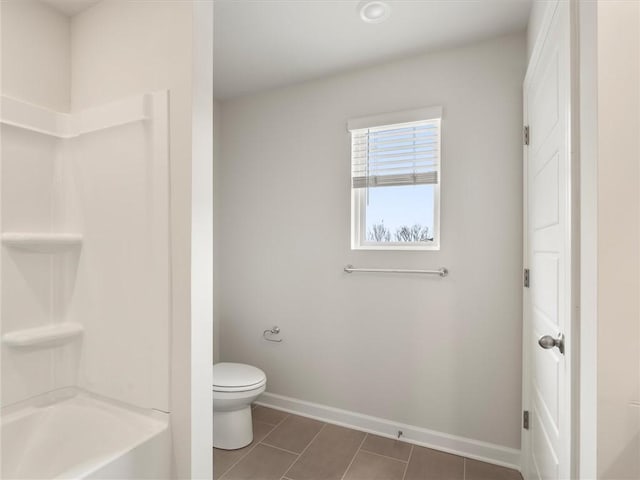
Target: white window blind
(396,154)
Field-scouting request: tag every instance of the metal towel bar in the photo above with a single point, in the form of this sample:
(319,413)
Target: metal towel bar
(442,272)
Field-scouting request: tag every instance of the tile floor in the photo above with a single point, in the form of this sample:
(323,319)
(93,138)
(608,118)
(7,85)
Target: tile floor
(290,447)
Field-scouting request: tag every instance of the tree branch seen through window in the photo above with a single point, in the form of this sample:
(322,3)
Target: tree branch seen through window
(415,233)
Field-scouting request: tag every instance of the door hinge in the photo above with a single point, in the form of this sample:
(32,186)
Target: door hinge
(526,278)
(525,135)
(525,419)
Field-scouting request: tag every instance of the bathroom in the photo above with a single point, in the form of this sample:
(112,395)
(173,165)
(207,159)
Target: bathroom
(373,345)
(477,368)
(185,196)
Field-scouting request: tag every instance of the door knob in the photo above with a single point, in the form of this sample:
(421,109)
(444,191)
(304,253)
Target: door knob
(548,342)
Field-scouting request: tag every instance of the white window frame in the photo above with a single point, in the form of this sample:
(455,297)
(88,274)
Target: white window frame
(358,195)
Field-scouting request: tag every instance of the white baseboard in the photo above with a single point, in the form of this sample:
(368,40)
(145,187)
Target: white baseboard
(483,451)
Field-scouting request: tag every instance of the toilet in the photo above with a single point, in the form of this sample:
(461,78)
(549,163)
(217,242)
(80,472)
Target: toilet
(235,387)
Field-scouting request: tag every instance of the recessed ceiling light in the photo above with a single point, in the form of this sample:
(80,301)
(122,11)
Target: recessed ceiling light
(374,11)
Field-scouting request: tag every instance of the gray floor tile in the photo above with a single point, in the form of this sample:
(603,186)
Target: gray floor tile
(328,456)
(368,466)
(261,463)
(476,470)
(260,430)
(268,415)
(224,459)
(387,446)
(294,433)
(332,452)
(427,464)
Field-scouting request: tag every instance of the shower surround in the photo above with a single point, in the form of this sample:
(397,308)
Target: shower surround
(85,277)
(85,272)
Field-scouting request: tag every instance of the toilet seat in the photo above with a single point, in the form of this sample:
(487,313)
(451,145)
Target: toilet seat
(237,377)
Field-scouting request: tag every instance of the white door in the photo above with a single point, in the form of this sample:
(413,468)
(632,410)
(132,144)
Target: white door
(547,302)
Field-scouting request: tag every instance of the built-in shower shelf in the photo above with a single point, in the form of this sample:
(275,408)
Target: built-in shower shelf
(42,242)
(51,335)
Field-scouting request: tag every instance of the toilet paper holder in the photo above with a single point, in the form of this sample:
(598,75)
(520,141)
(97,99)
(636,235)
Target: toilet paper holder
(275,330)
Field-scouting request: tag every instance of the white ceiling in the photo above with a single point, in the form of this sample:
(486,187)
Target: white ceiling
(71,7)
(264,44)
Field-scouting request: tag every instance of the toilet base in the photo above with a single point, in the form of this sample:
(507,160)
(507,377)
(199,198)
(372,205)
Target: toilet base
(232,429)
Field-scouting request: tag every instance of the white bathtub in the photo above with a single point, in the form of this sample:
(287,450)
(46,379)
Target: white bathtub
(70,434)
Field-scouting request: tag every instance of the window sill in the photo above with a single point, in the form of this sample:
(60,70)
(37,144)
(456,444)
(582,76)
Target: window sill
(398,247)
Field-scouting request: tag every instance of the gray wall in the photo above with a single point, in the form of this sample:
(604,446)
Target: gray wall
(618,237)
(442,354)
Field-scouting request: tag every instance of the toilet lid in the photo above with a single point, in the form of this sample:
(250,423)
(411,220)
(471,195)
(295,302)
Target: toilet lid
(236,375)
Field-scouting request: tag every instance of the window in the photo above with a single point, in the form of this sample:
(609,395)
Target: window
(395,181)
